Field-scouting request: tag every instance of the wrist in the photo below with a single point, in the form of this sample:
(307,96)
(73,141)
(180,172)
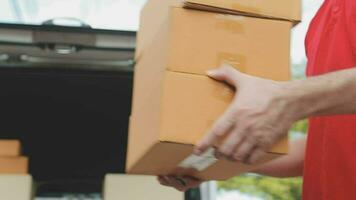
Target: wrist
(298,101)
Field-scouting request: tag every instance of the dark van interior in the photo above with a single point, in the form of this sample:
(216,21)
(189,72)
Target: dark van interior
(71,116)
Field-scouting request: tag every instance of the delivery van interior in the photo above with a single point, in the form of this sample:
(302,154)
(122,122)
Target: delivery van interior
(68,104)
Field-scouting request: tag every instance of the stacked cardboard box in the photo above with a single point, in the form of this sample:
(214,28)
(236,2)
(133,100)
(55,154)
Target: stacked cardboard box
(174,102)
(15,183)
(16,187)
(11,161)
(137,188)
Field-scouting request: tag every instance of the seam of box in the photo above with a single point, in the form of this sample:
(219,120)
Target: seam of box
(207,8)
(187,73)
(180,143)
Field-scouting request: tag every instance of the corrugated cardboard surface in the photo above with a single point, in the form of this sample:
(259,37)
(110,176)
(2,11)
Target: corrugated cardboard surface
(195,41)
(162,135)
(200,41)
(155,13)
(175,103)
(146,100)
(280,9)
(15,187)
(13,165)
(190,106)
(137,188)
(10,148)
(164,158)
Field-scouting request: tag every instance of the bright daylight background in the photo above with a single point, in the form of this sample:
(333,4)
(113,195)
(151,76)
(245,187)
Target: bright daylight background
(124,15)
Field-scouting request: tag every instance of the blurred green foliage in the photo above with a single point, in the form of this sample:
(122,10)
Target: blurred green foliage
(267,188)
(300,126)
(298,70)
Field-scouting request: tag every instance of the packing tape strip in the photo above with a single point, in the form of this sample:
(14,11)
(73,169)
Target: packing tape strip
(199,163)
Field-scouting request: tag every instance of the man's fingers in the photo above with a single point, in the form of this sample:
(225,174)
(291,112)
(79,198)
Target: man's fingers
(179,183)
(187,183)
(243,151)
(228,148)
(225,123)
(172,182)
(162,181)
(225,73)
(182,182)
(191,182)
(220,128)
(256,155)
(169,181)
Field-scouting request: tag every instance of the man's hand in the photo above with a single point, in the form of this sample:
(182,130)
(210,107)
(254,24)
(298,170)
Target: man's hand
(256,119)
(180,183)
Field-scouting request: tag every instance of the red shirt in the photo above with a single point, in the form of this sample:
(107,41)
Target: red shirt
(330,163)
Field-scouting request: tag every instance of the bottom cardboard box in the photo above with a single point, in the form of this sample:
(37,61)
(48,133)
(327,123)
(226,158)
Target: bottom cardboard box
(170,120)
(132,187)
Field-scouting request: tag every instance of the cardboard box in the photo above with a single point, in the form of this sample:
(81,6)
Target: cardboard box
(194,41)
(137,188)
(16,187)
(174,103)
(155,12)
(10,148)
(13,165)
(163,132)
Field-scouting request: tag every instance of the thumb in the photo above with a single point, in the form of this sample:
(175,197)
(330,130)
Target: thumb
(227,74)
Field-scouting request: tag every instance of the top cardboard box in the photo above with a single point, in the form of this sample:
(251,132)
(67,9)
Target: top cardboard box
(155,12)
(191,41)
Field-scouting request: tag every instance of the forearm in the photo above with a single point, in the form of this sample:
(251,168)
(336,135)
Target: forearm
(290,165)
(329,94)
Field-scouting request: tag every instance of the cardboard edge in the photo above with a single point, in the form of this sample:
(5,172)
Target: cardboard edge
(131,167)
(153,149)
(197,6)
(175,4)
